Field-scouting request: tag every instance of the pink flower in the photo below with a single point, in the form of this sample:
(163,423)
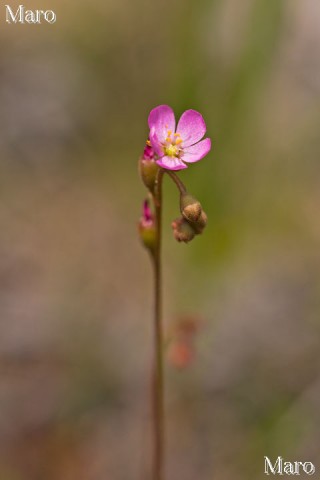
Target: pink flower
(176,147)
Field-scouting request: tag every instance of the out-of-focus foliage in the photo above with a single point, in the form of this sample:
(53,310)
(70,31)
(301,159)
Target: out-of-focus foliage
(75,284)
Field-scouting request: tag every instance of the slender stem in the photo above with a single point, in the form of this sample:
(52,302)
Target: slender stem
(177,181)
(157,387)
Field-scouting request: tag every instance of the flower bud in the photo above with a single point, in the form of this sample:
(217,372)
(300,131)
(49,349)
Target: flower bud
(200,224)
(182,230)
(147,229)
(190,207)
(148,168)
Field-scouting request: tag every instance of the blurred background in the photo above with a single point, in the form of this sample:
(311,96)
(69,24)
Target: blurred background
(75,283)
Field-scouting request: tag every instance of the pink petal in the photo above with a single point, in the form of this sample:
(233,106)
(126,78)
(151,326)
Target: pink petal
(191,127)
(171,163)
(197,151)
(162,119)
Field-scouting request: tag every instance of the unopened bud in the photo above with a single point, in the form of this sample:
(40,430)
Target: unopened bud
(147,229)
(190,207)
(182,230)
(200,224)
(148,168)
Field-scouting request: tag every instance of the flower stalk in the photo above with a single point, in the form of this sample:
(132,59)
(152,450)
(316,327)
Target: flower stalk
(158,384)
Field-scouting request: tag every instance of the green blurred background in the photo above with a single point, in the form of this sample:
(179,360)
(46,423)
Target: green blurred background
(75,283)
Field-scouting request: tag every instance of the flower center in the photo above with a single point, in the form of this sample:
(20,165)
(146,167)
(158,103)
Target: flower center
(171,150)
(171,147)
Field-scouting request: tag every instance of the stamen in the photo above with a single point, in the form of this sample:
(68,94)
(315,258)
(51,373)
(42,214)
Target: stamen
(168,139)
(148,143)
(169,133)
(177,134)
(178,141)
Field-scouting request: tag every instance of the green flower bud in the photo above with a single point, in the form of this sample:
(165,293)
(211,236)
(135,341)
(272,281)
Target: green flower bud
(182,230)
(148,168)
(147,228)
(148,236)
(190,207)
